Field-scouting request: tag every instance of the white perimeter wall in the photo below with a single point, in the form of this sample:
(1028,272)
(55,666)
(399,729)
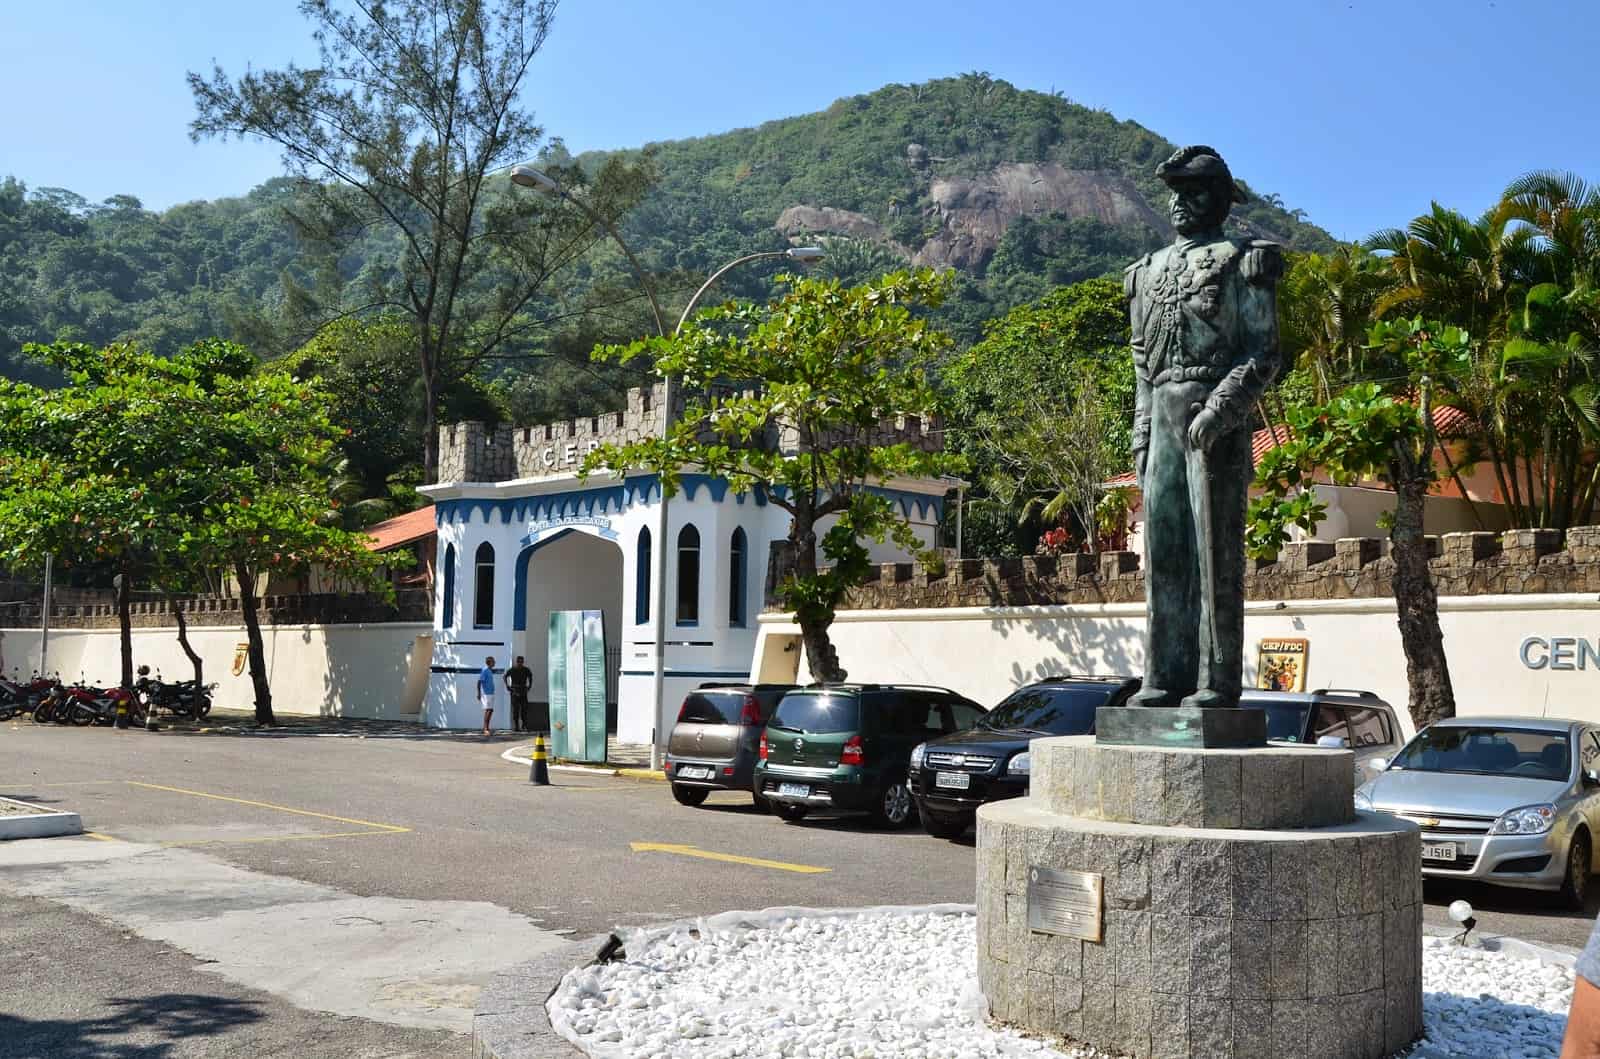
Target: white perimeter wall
(986,652)
(332,670)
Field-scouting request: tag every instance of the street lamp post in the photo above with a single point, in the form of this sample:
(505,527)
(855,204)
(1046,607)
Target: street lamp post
(529,177)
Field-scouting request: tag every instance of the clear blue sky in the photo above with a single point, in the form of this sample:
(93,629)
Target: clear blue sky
(1357,112)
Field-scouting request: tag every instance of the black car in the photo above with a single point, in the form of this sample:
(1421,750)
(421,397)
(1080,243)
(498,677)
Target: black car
(952,776)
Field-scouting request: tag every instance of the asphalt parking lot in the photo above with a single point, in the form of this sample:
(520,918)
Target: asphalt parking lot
(310,895)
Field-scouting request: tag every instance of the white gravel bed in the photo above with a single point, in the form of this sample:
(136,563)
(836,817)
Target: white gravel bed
(1480,1003)
(902,982)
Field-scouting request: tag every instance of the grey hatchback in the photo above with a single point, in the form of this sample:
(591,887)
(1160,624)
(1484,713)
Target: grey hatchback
(713,744)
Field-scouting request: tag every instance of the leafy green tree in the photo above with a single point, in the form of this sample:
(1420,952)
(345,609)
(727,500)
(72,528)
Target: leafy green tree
(1015,402)
(791,398)
(1374,430)
(167,467)
(410,115)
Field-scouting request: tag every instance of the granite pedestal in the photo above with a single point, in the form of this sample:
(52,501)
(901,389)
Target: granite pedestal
(1248,910)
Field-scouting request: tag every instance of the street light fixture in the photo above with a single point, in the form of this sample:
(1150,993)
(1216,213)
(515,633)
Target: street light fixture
(529,177)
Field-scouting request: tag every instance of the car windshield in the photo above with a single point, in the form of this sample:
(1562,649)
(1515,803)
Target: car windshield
(712,707)
(1057,710)
(1487,751)
(817,712)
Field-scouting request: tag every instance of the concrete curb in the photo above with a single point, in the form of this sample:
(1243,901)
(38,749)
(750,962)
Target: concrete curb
(511,1021)
(523,755)
(38,823)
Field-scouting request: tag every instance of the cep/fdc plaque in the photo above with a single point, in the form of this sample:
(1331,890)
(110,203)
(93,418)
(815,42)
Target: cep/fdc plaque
(1069,903)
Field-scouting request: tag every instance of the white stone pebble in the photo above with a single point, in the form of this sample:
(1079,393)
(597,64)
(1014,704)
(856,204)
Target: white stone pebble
(902,983)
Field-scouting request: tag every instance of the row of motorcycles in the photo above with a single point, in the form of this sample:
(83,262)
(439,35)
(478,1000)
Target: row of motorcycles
(49,701)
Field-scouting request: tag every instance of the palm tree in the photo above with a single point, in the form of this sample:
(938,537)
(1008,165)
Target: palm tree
(1451,269)
(1326,303)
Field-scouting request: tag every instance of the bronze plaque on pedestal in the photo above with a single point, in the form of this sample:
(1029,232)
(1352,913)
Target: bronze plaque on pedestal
(1069,903)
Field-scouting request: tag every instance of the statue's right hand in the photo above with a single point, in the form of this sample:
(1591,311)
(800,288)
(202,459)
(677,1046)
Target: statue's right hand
(1140,458)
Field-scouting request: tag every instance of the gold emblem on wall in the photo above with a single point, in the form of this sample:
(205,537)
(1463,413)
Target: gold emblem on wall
(241,656)
(1281,664)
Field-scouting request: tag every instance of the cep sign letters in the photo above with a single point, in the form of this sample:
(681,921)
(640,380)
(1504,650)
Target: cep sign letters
(1560,652)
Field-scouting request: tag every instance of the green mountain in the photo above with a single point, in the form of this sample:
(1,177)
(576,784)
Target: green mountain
(1019,190)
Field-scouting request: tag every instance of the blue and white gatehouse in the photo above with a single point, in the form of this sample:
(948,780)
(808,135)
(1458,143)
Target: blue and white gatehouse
(521,535)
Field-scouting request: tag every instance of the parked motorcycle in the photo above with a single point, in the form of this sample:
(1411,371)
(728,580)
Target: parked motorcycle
(18,697)
(180,697)
(102,706)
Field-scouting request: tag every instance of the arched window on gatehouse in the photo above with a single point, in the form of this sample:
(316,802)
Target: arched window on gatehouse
(736,578)
(641,578)
(688,576)
(483,587)
(449,587)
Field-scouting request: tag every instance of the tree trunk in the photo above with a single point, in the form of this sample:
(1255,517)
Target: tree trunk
(1417,604)
(430,419)
(183,642)
(814,617)
(125,624)
(258,656)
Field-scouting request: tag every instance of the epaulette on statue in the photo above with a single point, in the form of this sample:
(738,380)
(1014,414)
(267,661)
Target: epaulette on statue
(1130,275)
(1262,262)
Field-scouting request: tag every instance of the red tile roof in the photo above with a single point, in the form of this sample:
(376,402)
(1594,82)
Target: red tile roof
(402,529)
(1450,422)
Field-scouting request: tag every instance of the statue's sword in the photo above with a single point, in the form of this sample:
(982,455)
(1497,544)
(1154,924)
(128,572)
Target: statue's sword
(1200,496)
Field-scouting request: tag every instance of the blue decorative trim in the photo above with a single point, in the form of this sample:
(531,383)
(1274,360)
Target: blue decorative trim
(643,489)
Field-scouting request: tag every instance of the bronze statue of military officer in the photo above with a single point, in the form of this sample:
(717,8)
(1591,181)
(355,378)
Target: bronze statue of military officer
(1205,346)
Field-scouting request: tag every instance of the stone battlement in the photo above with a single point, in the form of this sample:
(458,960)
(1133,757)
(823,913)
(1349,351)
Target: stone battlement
(1462,564)
(475,452)
(310,609)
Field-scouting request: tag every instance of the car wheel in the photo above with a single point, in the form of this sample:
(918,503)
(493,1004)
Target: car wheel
(791,813)
(895,807)
(689,795)
(1575,887)
(945,826)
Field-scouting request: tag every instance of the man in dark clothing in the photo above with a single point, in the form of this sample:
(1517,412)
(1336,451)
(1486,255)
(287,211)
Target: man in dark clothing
(519,678)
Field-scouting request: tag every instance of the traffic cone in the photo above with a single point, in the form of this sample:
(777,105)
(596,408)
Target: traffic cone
(539,774)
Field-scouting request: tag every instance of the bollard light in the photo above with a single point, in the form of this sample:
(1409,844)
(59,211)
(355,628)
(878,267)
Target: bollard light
(1461,912)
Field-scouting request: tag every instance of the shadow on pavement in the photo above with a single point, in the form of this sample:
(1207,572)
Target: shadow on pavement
(157,1025)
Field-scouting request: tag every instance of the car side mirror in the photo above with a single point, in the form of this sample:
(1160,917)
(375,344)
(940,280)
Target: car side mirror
(1591,777)
(1333,742)
(1377,764)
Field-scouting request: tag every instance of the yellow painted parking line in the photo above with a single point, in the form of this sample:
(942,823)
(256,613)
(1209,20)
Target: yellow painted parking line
(100,836)
(729,858)
(268,805)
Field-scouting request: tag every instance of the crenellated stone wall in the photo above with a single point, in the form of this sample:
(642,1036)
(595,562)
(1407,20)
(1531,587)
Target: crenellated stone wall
(1463,564)
(311,609)
(474,452)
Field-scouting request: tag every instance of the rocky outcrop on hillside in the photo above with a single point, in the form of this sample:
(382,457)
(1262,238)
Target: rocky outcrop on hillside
(973,213)
(797,221)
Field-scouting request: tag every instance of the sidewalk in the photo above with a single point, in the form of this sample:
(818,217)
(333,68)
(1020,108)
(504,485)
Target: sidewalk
(224,721)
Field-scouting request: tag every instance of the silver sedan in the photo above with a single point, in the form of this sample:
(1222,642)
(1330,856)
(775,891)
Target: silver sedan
(1513,801)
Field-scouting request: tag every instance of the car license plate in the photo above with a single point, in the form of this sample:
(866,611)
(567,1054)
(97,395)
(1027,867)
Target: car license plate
(1438,851)
(959,781)
(794,790)
(694,772)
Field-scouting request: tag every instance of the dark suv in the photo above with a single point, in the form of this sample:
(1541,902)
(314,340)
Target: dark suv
(847,747)
(713,745)
(952,776)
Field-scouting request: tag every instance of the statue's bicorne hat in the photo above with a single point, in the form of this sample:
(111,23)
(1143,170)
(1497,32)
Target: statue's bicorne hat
(1200,162)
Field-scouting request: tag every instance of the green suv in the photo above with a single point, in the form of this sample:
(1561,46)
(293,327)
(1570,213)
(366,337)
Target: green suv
(847,747)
